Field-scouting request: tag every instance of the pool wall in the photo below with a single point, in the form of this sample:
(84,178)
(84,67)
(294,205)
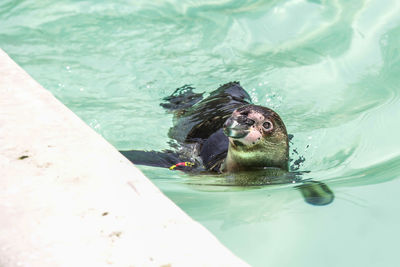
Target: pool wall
(69,198)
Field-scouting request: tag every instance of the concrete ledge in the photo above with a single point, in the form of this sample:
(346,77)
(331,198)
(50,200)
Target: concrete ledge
(68,198)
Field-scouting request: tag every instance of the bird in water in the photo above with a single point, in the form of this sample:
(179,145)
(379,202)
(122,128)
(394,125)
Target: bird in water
(228,135)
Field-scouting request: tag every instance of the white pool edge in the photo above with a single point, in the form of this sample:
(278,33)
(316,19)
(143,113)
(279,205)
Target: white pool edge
(69,198)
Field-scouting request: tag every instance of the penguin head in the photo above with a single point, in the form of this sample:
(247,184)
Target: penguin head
(257,138)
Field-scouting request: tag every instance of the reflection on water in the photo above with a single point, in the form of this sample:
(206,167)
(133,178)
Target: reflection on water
(313,192)
(329,68)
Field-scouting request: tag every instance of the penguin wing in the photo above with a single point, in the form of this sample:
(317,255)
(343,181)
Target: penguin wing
(214,150)
(208,116)
(181,99)
(152,158)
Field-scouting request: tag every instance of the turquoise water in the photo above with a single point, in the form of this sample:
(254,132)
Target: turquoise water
(331,69)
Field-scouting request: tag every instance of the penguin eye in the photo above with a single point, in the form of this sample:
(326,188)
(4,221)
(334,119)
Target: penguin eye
(267,126)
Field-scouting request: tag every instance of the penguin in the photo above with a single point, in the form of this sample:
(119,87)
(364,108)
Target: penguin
(225,133)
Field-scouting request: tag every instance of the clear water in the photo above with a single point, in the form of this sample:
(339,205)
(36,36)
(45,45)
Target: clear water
(331,69)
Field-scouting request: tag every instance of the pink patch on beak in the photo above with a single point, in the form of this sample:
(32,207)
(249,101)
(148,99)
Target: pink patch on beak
(251,138)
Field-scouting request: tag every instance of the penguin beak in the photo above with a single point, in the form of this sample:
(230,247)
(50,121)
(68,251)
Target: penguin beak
(234,129)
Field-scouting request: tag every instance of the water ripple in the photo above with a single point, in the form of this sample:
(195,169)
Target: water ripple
(330,68)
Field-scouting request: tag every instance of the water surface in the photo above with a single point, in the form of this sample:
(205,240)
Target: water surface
(329,68)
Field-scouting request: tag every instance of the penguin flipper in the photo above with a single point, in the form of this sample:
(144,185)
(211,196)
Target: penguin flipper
(181,99)
(152,158)
(316,193)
